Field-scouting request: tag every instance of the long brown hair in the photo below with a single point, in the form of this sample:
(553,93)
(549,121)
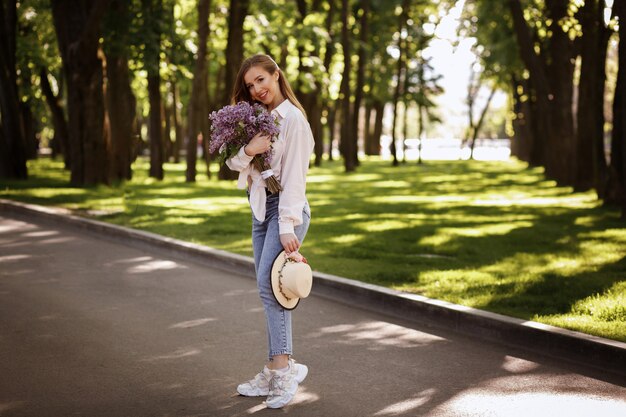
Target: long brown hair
(241,92)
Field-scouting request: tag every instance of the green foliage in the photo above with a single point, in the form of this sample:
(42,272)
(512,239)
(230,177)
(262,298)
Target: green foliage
(36,47)
(380,72)
(164,31)
(496,236)
(490,23)
(36,38)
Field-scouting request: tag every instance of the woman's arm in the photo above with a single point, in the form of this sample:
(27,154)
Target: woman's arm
(298,148)
(240,161)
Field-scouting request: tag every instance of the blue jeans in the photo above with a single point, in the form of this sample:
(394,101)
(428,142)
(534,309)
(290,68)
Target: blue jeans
(266,247)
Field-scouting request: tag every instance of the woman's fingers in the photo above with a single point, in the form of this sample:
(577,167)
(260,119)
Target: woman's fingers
(260,143)
(290,242)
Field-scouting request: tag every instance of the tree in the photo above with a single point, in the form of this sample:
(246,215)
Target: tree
(311,75)
(551,74)
(348,141)
(400,74)
(59,120)
(591,168)
(379,74)
(423,86)
(364,35)
(40,80)
(490,23)
(198,105)
(616,187)
(77,25)
(12,140)
(120,99)
(328,105)
(550,129)
(152,10)
(234,57)
(421,83)
(474,87)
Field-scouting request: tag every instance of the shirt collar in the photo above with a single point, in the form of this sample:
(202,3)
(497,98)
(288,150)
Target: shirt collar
(283,108)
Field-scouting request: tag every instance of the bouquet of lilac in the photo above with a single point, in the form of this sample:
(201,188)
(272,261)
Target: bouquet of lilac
(234,126)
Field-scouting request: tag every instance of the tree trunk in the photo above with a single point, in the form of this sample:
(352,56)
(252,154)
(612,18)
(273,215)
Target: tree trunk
(367,128)
(393,148)
(167,130)
(347,140)
(360,76)
(539,104)
(400,73)
(12,140)
(120,99)
(327,107)
(310,98)
(588,96)
(197,104)
(561,163)
(332,123)
(372,141)
(405,125)
(421,109)
(479,123)
(77,24)
(551,78)
(616,188)
(31,144)
(601,170)
(154,125)
(178,140)
(234,48)
(152,10)
(206,127)
(521,143)
(234,58)
(314,115)
(58,117)
(472,90)
(379,108)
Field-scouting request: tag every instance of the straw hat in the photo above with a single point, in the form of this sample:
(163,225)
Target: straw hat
(291,280)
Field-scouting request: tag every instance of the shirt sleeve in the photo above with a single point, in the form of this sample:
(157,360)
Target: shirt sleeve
(299,145)
(240,161)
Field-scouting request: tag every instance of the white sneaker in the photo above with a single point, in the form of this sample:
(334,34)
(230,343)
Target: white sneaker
(283,385)
(260,385)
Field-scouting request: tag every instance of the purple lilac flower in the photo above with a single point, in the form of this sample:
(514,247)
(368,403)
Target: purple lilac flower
(233,126)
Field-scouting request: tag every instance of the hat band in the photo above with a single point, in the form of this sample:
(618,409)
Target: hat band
(280,278)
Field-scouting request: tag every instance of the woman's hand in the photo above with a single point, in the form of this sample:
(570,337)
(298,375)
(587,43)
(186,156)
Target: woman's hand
(260,143)
(290,242)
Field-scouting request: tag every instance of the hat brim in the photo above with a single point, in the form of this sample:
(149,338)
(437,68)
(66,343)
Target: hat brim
(286,303)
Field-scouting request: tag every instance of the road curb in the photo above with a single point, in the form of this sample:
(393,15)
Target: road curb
(600,353)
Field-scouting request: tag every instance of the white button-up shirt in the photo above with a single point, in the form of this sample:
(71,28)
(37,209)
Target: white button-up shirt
(290,163)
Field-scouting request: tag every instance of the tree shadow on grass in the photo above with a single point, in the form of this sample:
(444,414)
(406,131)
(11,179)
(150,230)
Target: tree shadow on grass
(515,272)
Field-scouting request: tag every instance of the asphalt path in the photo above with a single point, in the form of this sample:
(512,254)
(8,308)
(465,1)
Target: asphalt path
(90,326)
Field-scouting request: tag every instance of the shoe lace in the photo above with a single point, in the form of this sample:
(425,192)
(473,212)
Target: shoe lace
(277,386)
(258,380)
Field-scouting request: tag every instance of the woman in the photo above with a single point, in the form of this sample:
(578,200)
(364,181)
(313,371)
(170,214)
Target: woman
(279,221)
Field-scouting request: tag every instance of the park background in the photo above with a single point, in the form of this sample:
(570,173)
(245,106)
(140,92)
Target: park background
(105,109)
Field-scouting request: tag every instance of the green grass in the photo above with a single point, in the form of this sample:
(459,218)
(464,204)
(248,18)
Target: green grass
(491,235)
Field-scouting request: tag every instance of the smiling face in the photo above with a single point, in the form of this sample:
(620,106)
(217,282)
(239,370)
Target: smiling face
(263,86)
